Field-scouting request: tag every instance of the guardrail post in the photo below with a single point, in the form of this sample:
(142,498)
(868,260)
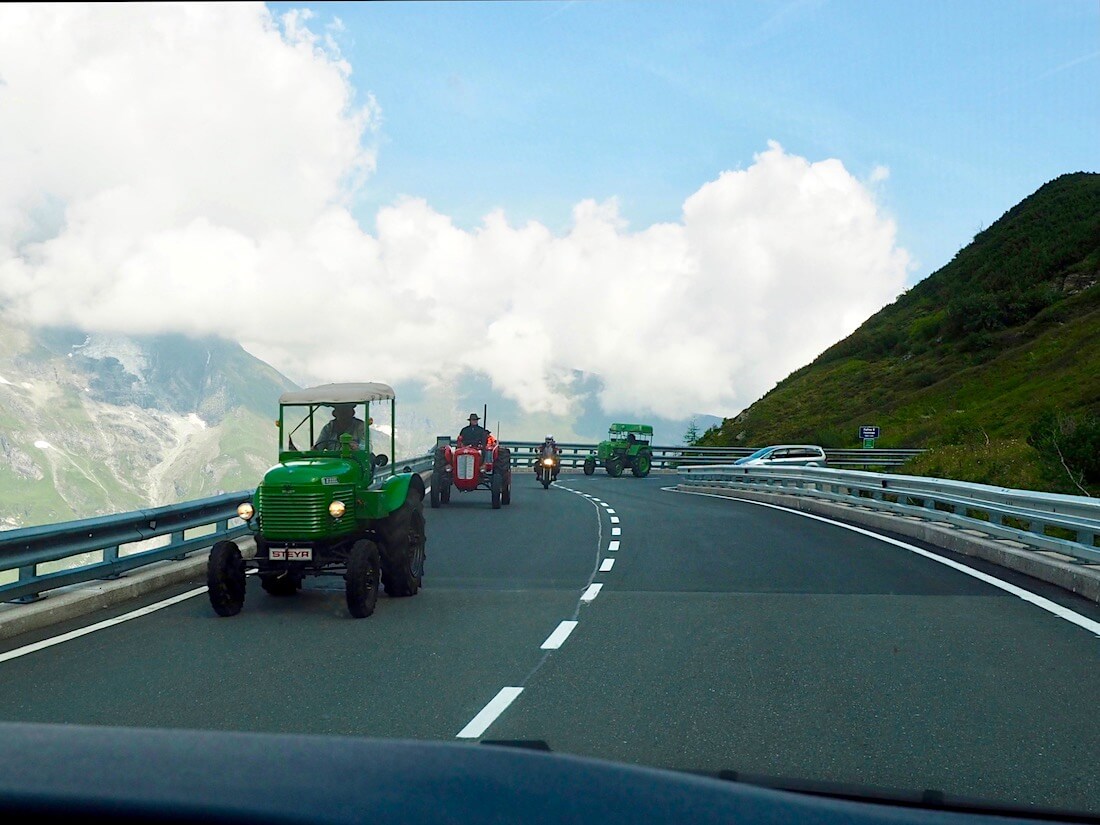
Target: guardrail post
(110,556)
(26,574)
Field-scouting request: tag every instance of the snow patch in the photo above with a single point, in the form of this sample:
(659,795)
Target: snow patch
(4,380)
(194,420)
(43,445)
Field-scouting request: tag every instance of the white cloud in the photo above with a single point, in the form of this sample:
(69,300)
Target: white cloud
(188,168)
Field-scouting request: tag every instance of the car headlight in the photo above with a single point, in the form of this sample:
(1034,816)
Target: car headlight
(245,511)
(336,509)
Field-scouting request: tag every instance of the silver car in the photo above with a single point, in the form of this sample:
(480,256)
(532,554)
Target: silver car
(785,455)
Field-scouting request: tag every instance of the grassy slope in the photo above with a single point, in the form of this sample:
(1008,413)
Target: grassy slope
(941,368)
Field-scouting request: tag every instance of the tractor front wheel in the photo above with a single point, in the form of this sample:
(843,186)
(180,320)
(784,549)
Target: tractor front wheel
(614,466)
(361,580)
(225,579)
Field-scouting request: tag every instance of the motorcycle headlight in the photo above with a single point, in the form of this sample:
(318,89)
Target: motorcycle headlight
(336,509)
(549,462)
(245,511)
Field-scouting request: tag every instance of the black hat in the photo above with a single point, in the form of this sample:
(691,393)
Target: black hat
(473,417)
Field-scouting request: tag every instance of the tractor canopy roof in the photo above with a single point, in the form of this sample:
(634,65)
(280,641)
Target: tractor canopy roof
(339,394)
(641,429)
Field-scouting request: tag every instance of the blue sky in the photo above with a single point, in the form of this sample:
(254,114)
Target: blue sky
(534,106)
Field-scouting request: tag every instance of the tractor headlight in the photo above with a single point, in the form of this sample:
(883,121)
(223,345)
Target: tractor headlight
(245,511)
(336,509)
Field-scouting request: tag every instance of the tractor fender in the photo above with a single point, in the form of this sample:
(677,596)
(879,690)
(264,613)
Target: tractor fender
(395,489)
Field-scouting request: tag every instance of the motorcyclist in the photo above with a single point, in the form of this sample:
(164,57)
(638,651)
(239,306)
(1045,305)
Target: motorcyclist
(550,448)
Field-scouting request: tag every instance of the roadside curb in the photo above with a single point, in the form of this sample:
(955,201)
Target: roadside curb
(77,600)
(1080,579)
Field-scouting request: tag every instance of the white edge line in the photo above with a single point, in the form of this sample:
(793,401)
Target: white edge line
(560,634)
(1032,598)
(607,565)
(592,592)
(84,631)
(488,714)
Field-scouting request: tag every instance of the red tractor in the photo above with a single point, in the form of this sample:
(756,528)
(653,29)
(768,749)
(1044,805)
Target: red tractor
(468,467)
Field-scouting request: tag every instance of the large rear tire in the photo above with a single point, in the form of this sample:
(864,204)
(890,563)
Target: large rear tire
(506,491)
(641,465)
(225,579)
(614,466)
(435,494)
(445,493)
(496,484)
(361,580)
(404,542)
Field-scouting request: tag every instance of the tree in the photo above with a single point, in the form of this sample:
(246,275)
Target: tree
(692,433)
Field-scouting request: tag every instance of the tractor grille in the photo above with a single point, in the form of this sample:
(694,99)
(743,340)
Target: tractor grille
(302,515)
(465,468)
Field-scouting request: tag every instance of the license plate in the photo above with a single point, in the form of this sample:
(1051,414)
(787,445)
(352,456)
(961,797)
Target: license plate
(290,553)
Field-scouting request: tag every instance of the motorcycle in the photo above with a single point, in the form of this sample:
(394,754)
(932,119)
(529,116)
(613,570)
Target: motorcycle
(547,466)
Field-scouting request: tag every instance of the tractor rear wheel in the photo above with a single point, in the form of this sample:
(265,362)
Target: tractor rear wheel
(403,547)
(641,465)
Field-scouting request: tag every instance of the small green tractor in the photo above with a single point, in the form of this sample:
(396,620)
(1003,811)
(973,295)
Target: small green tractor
(322,511)
(627,445)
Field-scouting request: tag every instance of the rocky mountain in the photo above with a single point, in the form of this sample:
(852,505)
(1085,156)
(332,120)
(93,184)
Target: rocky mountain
(93,424)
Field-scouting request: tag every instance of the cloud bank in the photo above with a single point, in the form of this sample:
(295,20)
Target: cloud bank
(191,168)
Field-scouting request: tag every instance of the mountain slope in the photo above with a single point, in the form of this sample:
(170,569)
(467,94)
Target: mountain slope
(93,424)
(976,354)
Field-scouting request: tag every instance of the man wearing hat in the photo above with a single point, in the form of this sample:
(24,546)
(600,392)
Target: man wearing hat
(343,421)
(473,434)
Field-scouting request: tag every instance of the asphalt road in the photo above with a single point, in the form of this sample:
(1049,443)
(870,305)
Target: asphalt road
(723,635)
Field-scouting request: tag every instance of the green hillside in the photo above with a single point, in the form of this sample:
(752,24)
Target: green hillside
(993,361)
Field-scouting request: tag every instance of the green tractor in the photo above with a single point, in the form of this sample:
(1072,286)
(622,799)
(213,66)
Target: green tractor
(322,511)
(627,445)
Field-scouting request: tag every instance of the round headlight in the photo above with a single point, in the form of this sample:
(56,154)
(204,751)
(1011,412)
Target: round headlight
(245,511)
(336,509)
(549,462)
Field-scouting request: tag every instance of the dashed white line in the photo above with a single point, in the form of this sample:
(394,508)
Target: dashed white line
(607,565)
(592,592)
(616,531)
(558,637)
(612,547)
(614,519)
(488,714)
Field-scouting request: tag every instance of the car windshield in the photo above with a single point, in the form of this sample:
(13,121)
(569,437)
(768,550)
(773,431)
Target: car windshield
(672,234)
(761,453)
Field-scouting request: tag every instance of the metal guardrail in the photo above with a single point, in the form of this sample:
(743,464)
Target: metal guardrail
(574,454)
(50,556)
(1020,515)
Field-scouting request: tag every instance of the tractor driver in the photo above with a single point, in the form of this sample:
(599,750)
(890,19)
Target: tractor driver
(343,421)
(474,435)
